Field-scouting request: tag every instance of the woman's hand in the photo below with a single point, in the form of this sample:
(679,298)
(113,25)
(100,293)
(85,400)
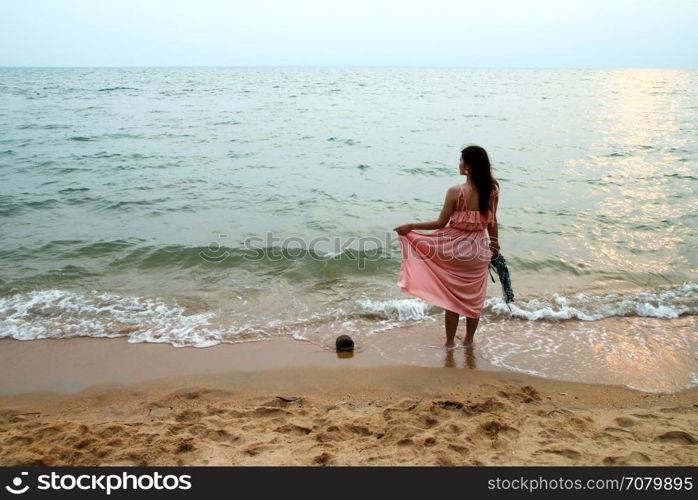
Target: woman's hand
(494,248)
(403,229)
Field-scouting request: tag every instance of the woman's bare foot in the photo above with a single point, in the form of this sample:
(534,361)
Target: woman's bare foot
(450,345)
(470,344)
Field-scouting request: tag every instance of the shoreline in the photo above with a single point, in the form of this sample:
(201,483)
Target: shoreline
(272,406)
(74,364)
(596,352)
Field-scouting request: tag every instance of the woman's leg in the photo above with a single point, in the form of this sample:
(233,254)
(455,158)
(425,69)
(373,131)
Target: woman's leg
(451,320)
(470,327)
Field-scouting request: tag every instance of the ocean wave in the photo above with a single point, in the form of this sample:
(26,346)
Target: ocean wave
(302,263)
(55,313)
(670,303)
(398,309)
(64,314)
(667,304)
(133,252)
(111,89)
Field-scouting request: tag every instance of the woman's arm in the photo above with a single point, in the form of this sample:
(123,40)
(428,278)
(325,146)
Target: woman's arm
(444,216)
(493,230)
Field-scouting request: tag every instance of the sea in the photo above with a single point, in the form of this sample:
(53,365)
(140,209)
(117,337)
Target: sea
(195,206)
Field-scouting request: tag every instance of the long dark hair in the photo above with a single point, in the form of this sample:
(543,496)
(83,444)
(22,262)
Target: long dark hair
(481,172)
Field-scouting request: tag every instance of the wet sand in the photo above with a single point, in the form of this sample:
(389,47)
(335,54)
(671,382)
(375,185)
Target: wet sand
(92,401)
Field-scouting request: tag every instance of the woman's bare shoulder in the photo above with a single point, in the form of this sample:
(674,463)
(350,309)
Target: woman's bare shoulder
(453,190)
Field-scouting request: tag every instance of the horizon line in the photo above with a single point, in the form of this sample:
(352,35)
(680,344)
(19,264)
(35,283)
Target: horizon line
(348,66)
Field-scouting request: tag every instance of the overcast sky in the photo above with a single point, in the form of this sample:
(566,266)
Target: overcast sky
(483,33)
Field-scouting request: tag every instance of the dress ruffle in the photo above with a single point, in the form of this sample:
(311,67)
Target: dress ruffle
(470,220)
(473,220)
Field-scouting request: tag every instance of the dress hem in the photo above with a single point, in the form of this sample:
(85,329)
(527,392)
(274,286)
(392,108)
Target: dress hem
(434,303)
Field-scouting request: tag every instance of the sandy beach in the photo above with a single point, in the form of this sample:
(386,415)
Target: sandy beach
(90,401)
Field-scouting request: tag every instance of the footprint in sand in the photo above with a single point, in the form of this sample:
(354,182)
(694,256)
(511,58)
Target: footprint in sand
(270,411)
(677,437)
(430,441)
(294,429)
(324,459)
(645,415)
(490,405)
(495,429)
(428,421)
(634,458)
(625,421)
(185,446)
(188,416)
(462,450)
(563,452)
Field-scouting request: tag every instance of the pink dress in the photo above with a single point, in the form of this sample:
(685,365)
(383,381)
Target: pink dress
(448,267)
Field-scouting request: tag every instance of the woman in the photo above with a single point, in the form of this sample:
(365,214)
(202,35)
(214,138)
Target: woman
(448,267)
